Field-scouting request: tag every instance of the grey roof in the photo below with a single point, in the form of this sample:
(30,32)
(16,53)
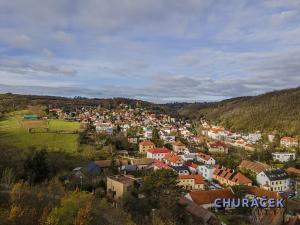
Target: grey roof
(277,174)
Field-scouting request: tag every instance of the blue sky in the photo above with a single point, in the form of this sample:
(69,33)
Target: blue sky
(154,50)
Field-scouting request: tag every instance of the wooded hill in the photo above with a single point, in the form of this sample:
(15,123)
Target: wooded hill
(275,111)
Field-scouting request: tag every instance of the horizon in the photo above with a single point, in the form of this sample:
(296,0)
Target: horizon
(151,102)
(157,51)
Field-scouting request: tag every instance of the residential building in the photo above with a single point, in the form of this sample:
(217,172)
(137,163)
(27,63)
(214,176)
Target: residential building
(173,160)
(289,142)
(146,145)
(207,171)
(119,185)
(206,159)
(143,163)
(206,199)
(159,165)
(273,180)
(283,156)
(191,182)
(217,147)
(229,177)
(255,167)
(157,153)
(181,170)
(178,147)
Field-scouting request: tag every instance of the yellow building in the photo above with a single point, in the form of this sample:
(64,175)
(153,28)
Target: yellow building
(144,146)
(119,185)
(191,182)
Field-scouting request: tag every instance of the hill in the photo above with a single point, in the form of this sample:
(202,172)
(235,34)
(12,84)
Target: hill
(275,111)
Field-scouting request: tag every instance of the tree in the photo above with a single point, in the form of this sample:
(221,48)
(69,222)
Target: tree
(35,168)
(161,194)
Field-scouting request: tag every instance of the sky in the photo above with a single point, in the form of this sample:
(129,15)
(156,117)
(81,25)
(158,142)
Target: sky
(153,50)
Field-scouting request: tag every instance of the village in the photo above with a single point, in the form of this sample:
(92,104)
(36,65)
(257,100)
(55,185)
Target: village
(193,152)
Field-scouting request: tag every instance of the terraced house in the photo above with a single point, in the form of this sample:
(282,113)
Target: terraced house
(229,177)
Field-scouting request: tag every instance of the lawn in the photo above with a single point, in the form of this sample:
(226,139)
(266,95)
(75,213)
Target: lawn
(12,133)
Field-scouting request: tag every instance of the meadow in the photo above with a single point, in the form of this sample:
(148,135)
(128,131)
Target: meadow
(13,133)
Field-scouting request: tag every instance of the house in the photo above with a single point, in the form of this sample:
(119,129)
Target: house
(229,177)
(283,156)
(173,160)
(132,140)
(289,142)
(157,153)
(191,182)
(158,165)
(217,147)
(107,164)
(119,185)
(206,159)
(188,157)
(104,127)
(206,199)
(255,167)
(178,147)
(192,167)
(198,211)
(273,180)
(146,145)
(207,171)
(168,138)
(181,170)
(143,163)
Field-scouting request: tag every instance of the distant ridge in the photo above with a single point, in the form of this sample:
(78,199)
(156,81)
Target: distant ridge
(274,111)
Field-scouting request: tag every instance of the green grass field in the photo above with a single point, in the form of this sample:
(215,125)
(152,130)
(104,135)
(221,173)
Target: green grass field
(12,133)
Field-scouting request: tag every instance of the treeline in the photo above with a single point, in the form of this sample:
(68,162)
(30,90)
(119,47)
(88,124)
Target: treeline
(12,102)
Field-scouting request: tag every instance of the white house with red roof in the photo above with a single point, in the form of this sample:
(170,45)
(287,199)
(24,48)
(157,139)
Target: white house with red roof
(158,165)
(206,159)
(289,142)
(158,153)
(217,147)
(173,160)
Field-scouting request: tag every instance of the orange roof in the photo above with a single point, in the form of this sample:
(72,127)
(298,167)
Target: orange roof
(293,171)
(240,179)
(217,144)
(198,178)
(161,165)
(255,167)
(288,139)
(147,143)
(260,192)
(208,197)
(172,158)
(159,150)
(178,143)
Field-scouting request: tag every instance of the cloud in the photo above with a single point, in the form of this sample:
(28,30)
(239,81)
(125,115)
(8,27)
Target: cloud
(157,50)
(24,67)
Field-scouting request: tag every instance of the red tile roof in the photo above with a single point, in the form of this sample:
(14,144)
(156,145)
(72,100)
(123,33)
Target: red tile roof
(217,144)
(255,167)
(209,197)
(173,158)
(161,165)
(293,170)
(147,143)
(159,150)
(198,178)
